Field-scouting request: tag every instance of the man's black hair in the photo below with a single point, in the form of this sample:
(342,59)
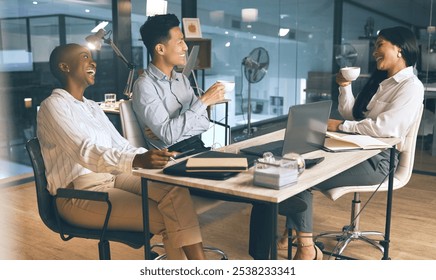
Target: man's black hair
(156,30)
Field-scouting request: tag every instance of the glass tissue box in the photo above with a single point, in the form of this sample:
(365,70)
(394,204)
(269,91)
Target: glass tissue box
(277,173)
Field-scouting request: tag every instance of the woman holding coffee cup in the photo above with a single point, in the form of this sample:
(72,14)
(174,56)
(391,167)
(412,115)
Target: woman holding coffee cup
(387,107)
(395,55)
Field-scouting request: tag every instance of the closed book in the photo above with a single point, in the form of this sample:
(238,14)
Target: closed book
(197,164)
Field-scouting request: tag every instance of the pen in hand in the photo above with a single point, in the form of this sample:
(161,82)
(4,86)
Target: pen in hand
(183,154)
(157,148)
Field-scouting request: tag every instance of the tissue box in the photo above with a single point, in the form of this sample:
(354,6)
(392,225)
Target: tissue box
(275,175)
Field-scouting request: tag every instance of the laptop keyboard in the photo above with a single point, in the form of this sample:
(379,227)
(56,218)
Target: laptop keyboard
(275,147)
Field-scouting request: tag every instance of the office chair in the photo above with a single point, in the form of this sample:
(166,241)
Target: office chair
(133,133)
(402,176)
(49,215)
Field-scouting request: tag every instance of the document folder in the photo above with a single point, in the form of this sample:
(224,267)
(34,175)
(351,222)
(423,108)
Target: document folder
(179,169)
(215,164)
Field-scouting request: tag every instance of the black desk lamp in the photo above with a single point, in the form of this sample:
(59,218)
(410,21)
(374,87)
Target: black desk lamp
(94,42)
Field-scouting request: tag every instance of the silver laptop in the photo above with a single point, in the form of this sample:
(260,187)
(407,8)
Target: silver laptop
(305,131)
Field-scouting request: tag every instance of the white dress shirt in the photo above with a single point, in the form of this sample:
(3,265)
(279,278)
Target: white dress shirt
(77,138)
(391,111)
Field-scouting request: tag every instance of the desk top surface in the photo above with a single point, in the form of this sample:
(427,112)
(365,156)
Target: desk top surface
(111,110)
(242,184)
(116,108)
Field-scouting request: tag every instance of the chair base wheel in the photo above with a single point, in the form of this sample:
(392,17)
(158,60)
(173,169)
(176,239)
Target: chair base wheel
(349,234)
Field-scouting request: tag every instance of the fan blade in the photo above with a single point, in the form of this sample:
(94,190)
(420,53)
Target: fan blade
(351,55)
(250,63)
(258,75)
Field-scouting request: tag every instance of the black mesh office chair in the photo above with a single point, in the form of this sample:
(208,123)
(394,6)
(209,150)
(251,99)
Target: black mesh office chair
(49,215)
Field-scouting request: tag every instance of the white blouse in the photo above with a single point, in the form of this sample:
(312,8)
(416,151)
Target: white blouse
(77,138)
(391,111)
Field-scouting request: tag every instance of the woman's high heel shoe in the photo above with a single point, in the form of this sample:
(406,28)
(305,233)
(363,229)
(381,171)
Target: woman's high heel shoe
(318,252)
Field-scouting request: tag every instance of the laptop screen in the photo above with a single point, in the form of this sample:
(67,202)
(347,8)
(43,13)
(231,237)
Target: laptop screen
(306,127)
(305,131)
(192,59)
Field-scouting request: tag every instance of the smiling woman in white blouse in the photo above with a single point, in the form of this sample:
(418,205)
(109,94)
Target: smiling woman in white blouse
(386,107)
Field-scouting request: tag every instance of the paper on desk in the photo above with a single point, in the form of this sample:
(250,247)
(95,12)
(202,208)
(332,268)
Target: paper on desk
(339,141)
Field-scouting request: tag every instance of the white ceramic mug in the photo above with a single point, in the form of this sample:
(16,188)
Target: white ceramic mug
(229,86)
(350,73)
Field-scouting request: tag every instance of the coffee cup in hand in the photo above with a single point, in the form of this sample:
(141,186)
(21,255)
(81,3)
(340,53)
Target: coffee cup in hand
(228,85)
(350,73)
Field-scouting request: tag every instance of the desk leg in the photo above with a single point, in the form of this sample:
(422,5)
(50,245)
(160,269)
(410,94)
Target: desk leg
(145,218)
(227,124)
(389,205)
(275,211)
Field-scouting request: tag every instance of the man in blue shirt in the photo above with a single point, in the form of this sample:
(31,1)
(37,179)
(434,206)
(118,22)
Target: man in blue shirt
(164,102)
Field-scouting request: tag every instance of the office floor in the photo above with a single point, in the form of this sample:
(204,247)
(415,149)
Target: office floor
(24,237)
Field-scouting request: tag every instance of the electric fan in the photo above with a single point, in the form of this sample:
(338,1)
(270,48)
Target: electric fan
(345,55)
(255,68)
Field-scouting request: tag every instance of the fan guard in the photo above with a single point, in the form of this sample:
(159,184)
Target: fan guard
(256,65)
(345,55)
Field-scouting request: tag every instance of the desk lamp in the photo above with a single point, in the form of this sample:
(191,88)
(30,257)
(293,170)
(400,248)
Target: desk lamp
(94,43)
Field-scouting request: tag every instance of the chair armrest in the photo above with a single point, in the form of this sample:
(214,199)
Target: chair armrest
(82,194)
(85,195)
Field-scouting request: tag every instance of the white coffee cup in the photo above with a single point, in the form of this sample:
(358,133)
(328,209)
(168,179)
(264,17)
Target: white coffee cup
(350,73)
(229,86)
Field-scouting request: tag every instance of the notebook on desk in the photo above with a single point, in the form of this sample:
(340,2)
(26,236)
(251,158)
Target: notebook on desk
(305,131)
(179,169)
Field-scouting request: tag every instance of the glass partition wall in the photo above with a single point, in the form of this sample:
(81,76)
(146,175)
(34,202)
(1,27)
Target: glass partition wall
(294,47)
(304,43)
(26,47)
(425,161)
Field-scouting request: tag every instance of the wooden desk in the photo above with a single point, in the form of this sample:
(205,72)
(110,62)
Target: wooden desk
(108,110)
(241,186)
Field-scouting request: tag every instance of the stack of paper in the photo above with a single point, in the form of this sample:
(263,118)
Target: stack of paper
(341,142)
(275,177)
